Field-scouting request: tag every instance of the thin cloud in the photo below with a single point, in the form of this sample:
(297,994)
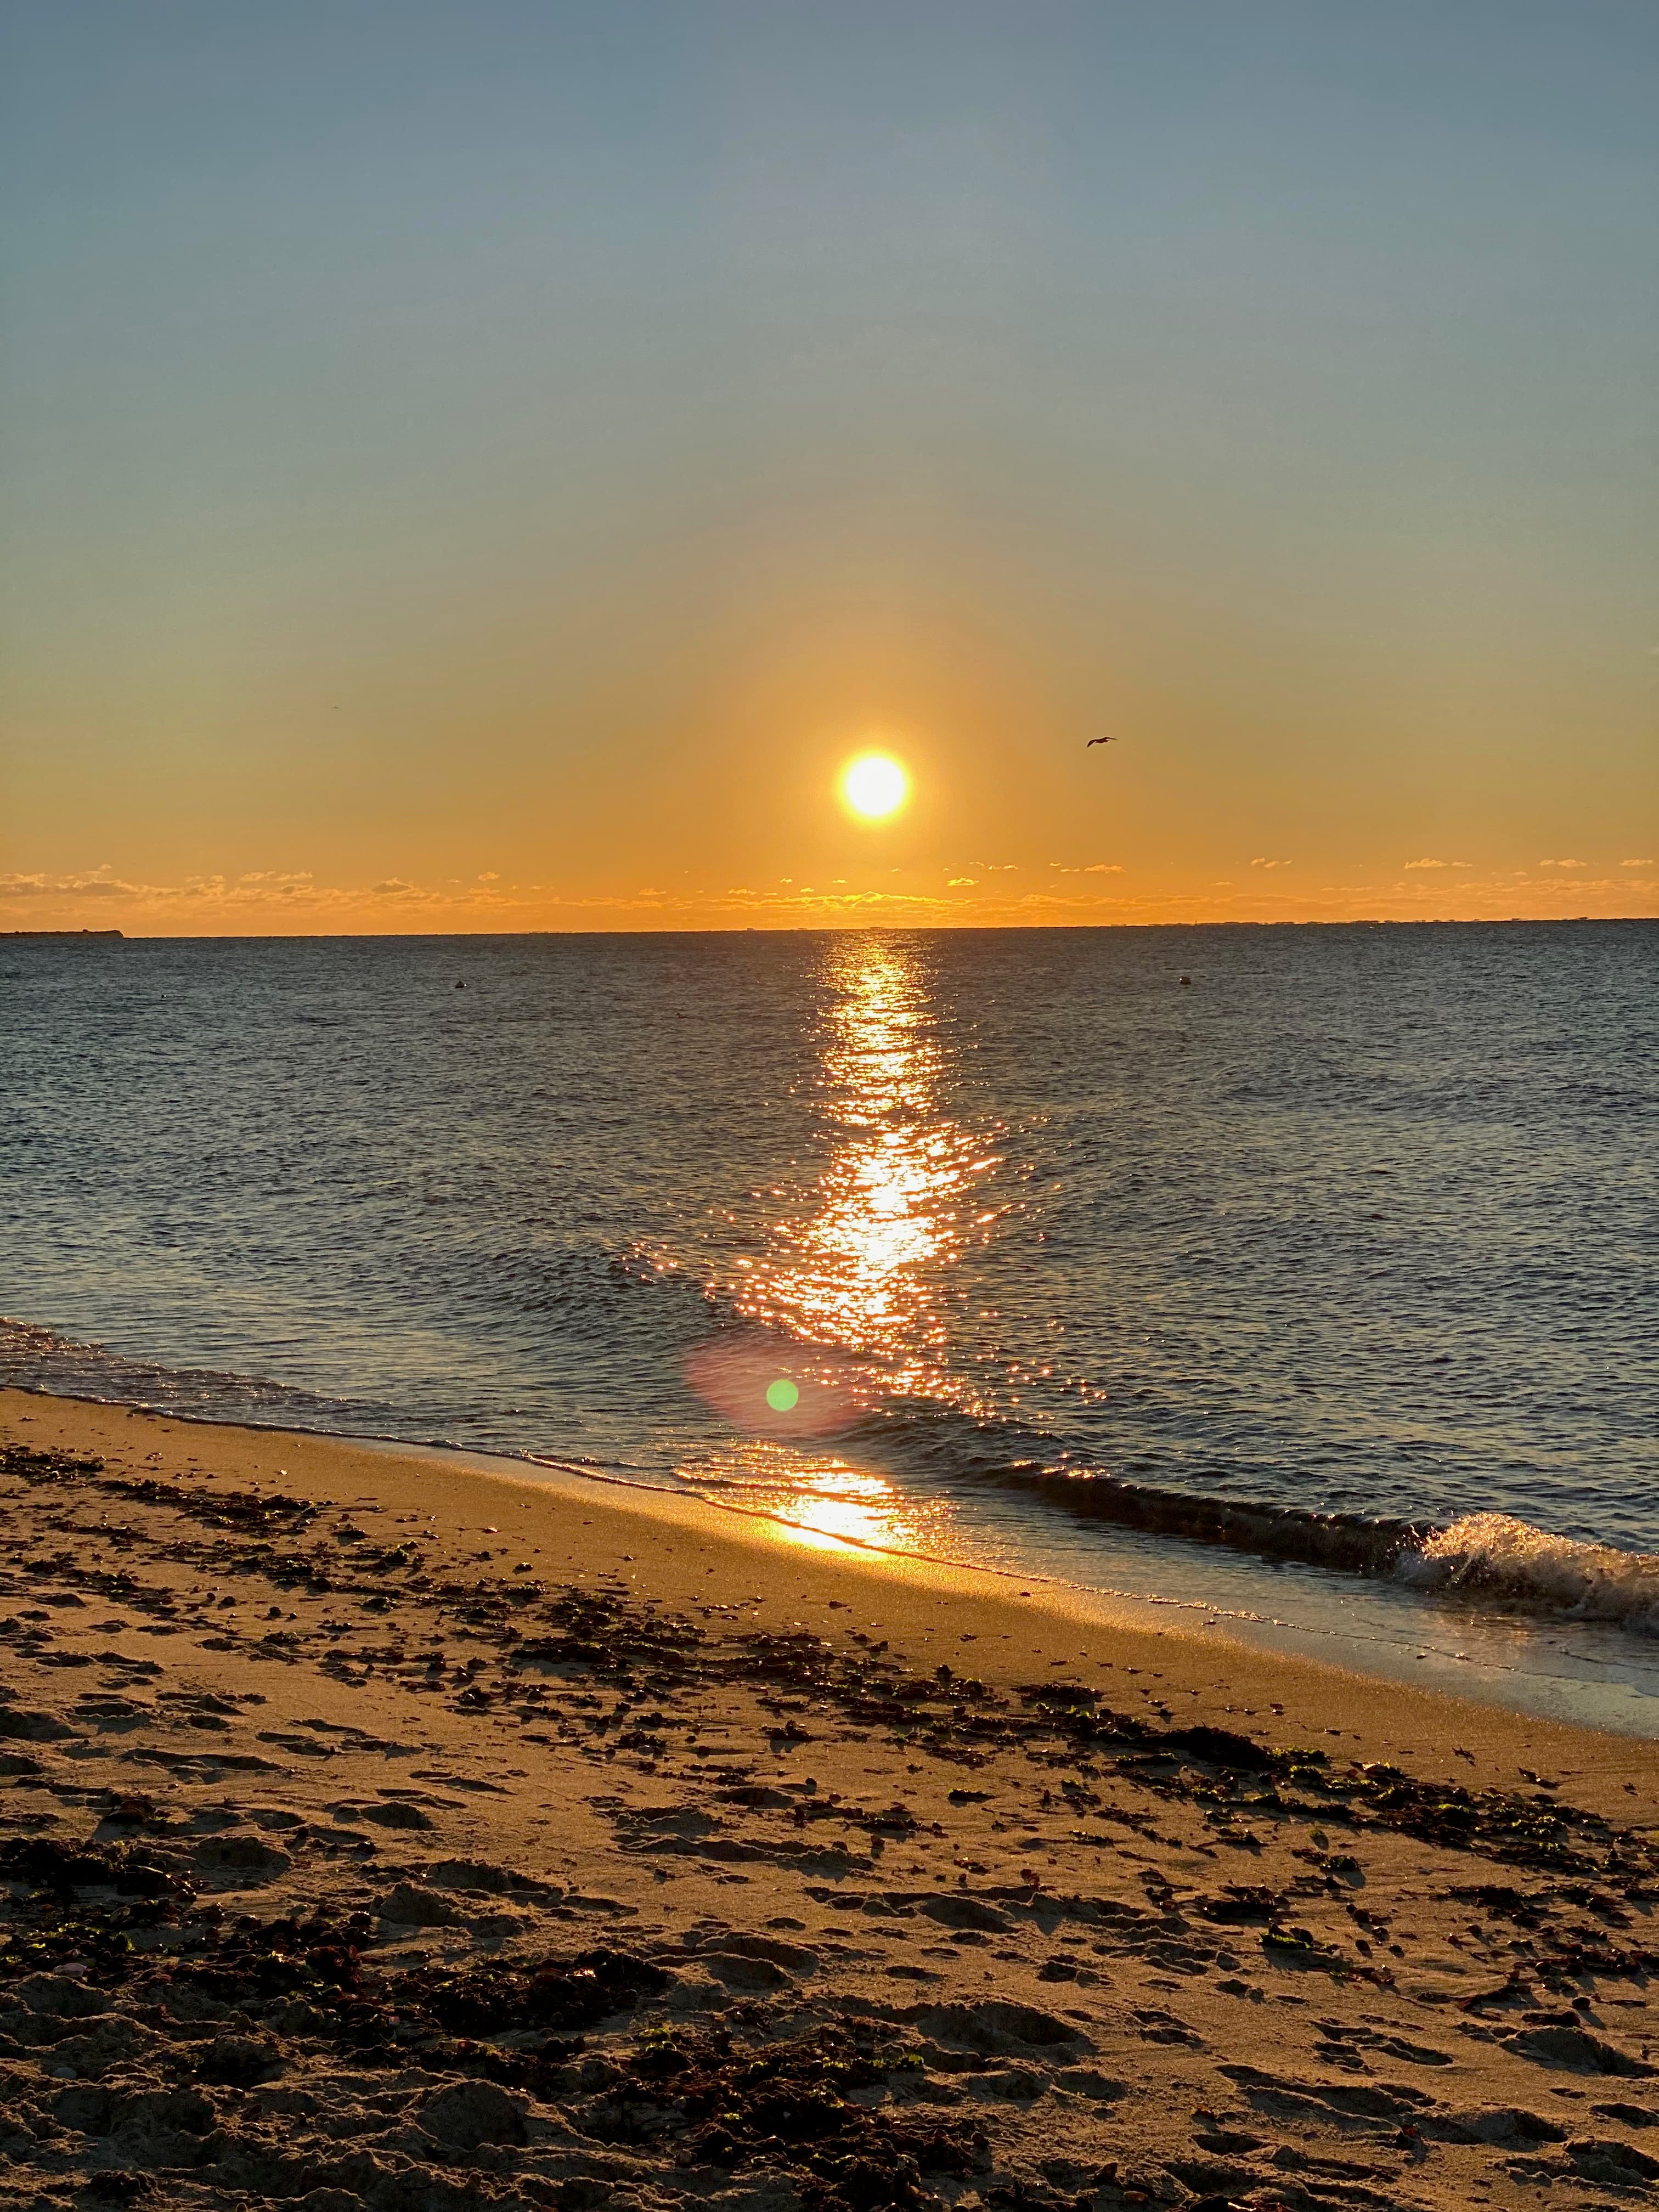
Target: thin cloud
(1563,864)
(1439,864)
(1639,864)
(295,890)
(290,901)
(90,883)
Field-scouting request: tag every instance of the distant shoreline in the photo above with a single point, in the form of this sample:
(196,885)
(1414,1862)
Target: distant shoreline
(837,929)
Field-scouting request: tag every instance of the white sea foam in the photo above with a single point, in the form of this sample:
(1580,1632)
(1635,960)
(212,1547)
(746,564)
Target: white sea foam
(1499,1556)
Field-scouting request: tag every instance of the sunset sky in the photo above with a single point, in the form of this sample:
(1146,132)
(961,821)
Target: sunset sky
(492,465)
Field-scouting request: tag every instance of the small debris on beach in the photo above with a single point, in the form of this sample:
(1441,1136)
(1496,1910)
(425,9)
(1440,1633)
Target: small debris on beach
(340,1865)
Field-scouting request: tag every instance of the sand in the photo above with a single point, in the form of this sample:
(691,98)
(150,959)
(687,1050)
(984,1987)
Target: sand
(382,1829)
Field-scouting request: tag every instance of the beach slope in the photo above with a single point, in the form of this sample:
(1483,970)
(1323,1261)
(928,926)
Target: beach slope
(382,1830)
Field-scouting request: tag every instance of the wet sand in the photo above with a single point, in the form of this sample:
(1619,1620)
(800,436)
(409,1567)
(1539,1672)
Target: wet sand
(382,1830)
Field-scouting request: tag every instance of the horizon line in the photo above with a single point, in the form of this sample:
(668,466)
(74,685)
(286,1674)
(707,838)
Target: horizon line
(825,929)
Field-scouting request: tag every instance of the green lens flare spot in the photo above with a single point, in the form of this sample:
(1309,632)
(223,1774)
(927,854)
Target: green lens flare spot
(783,1395)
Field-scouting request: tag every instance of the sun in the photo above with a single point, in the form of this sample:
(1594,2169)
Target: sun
(874,785)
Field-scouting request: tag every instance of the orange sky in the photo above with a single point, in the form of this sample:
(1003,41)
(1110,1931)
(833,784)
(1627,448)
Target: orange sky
(489,468)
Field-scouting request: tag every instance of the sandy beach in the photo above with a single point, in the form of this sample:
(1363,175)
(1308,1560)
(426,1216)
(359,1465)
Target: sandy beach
(382,1830)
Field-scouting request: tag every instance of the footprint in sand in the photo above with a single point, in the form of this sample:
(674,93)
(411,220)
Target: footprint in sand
(755,1963)
(238,1861)
(410,1905)
(387,1815)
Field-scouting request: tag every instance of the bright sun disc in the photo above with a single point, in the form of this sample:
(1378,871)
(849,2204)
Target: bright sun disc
(874,785)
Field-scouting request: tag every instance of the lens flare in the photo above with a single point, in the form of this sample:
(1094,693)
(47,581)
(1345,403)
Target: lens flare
(737,1372)
(874,785)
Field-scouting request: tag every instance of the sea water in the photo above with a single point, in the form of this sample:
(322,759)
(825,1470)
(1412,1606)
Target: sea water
(1298,1278)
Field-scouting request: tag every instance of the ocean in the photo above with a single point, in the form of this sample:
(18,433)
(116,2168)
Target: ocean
(1294,1279)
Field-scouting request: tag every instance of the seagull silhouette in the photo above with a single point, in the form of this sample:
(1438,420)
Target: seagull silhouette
(1100,741)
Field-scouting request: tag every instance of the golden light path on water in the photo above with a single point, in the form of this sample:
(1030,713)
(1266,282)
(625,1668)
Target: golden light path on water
(859,1268)
(830,1501)
(855,1268)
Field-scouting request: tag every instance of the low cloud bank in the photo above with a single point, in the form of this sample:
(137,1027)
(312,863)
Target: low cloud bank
(292,901)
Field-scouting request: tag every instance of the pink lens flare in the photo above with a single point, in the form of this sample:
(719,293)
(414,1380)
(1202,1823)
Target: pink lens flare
(774,1390)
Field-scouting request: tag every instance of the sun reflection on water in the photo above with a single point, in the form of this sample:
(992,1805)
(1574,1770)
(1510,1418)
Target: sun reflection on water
(859,1266)
(845,1286)
(824,1501)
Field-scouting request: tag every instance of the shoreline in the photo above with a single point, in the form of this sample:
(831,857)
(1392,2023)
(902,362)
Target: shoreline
(426,1471)
(379,1830)
(1386,1627)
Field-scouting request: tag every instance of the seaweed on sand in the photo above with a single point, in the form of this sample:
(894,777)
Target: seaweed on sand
(496,1996)
(81,1902)
(77,1906)
(1216,1766)
(789,2107)
(255,1963)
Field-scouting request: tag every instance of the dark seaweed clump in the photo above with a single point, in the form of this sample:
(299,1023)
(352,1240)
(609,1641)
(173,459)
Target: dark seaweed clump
(1235,1775)
(497,1995)
(253,1963)
(119,1915)
(787,2107)
(246,1512)
(51,1919)
(444,2016)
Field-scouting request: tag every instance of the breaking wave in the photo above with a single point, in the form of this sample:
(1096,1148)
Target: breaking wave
(1348,1543)
(1492,1558)
(1495,1557)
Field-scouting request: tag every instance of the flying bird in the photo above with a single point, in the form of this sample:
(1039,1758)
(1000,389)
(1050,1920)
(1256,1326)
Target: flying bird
(1100,741)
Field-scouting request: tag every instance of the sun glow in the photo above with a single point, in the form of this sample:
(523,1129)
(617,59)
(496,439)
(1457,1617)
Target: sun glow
(874,785)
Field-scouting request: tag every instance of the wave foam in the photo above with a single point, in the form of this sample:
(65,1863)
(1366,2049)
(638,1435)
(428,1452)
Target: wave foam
(1495,1556)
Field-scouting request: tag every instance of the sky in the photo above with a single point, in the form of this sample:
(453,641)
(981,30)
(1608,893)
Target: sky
(489,465)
